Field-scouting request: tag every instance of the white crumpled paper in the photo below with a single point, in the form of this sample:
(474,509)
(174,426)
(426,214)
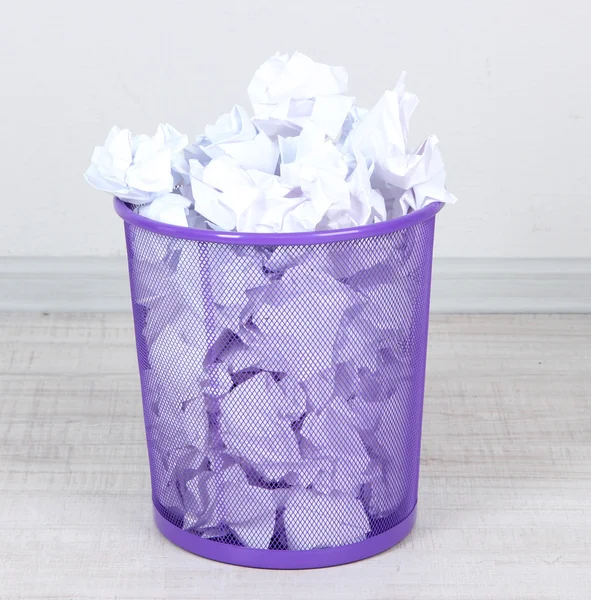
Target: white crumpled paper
(176,362)
(137,169)
(255,421)
(288,92)
(170,208)
(334,436)
(308,159)
(411,179)
(226,499)
(179,431)
(316,521)
(302,320)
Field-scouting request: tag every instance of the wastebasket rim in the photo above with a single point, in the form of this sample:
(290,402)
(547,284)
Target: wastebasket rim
(274,239)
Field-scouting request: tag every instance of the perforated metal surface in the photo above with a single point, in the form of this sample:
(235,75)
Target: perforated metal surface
(283,386)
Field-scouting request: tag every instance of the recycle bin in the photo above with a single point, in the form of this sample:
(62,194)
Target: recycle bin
(282,379)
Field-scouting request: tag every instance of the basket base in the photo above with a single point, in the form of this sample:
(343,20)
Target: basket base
(285,559)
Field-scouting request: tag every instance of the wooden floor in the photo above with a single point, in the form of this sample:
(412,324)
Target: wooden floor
(505,493)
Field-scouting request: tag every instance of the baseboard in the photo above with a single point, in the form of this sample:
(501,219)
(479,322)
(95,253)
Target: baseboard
(511,285)
(471,285)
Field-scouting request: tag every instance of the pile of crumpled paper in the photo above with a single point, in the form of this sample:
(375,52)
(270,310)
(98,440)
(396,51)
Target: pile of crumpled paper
(282,384)
(308,159)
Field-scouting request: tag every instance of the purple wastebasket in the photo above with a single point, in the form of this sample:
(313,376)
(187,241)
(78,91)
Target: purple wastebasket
(282,381)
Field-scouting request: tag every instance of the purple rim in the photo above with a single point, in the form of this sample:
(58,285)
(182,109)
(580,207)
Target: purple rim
(272,239)
(285,559)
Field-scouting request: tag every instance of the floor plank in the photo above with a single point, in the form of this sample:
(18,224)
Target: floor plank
(505,493)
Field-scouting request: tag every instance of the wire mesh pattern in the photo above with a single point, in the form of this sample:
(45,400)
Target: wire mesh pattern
(283,385)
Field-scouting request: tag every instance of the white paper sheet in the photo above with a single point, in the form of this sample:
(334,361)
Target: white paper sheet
(283,78)
(319,388)
(234,126)
(334,436)
(137,169)
(367,204)
(259,353)
(382,135)
(233,272)
(252,428)
(176,363)
(168,208)
(249,511)
(217,380)
(259,153)
(301,323)
(169,137)
(287,92)
(182,166)
(387,489)
(358,339)
(316,521)
(195,422)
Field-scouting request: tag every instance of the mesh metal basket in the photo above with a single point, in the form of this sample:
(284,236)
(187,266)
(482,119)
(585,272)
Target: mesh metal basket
(282,381)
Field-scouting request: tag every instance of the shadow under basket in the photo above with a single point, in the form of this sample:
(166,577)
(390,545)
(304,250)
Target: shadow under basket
(282,381)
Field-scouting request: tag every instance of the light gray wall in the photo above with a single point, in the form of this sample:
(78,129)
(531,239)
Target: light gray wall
(504,84)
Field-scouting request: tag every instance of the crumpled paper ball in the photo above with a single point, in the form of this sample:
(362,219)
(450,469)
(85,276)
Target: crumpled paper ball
(138,169)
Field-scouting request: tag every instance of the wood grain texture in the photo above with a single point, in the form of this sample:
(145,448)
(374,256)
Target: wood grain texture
(505,493)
